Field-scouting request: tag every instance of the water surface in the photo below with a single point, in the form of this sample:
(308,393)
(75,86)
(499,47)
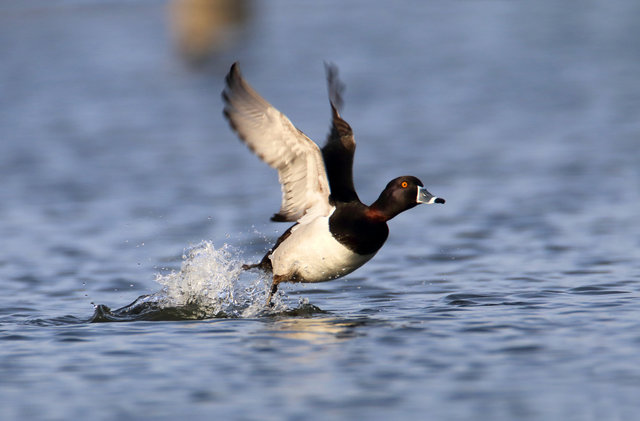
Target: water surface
(518,299)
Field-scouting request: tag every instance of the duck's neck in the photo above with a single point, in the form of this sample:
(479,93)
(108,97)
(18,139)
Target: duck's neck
(375,214)
(382,208)
(385,208)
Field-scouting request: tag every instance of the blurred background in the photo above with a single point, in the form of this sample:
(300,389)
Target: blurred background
(525,116)
(111,114)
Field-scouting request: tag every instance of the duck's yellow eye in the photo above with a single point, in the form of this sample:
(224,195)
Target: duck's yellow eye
(404,184)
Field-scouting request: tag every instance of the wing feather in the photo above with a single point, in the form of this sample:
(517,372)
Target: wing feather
(341,146)
(275,140)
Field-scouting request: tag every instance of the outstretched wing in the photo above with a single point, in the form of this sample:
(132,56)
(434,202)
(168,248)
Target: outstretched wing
(271,136)
(340,147)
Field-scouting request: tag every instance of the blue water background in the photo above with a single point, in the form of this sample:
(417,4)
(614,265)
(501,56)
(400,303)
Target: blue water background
(518,299)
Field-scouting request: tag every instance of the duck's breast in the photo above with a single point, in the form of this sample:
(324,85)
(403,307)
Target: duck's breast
(314,255)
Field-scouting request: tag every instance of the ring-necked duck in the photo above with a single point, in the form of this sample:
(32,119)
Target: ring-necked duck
(334,232)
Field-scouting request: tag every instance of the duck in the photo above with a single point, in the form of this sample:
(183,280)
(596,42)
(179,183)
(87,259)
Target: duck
(334,233)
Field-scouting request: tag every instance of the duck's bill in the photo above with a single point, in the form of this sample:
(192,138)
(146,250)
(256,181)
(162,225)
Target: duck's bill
(425,197)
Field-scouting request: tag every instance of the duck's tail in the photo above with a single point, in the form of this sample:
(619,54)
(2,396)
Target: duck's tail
(264,264)
(252,266)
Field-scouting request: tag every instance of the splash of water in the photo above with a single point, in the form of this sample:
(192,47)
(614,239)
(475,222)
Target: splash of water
(207,279)
(210,283)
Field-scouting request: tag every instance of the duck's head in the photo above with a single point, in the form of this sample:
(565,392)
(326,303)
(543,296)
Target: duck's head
(403,193)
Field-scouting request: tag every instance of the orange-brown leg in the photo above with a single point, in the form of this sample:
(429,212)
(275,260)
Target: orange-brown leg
(274,287)
(281,278)
(277,279)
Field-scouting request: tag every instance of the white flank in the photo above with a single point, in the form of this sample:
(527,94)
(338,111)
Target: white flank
(313,253)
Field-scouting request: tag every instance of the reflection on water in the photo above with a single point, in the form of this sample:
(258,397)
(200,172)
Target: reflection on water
(321,330)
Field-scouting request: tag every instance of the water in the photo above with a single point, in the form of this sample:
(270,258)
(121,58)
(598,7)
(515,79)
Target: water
(125,197)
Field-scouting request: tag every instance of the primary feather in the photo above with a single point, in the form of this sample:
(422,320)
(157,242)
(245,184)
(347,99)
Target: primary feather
(341,146)
(272,136)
